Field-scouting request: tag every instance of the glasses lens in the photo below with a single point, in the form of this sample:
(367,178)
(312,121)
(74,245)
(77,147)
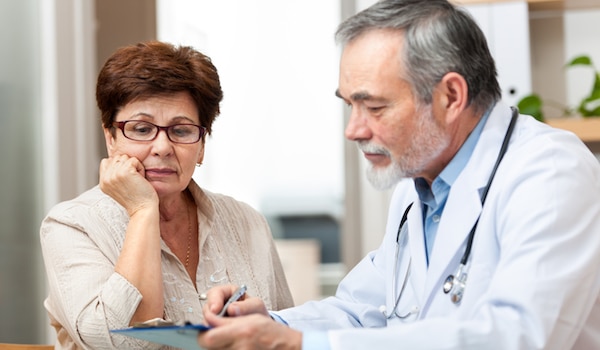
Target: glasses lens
(184,133)
(140,131)
(146,131)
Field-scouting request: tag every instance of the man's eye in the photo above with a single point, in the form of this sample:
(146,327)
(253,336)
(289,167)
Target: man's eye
(375,108)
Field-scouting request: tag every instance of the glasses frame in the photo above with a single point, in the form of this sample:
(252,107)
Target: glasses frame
(121,125)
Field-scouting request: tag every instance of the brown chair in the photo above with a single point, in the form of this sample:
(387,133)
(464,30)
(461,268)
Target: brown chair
(6,346)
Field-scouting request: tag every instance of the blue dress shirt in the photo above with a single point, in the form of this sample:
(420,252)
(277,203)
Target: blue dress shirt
(434,198)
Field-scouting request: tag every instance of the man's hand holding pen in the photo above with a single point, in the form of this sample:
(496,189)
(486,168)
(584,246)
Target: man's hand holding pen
(230,300)
(249,327)
(236,296)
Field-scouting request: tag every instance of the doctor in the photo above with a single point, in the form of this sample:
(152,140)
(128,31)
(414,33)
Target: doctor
(493,236)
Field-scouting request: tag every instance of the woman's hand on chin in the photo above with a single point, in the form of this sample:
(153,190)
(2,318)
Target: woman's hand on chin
(122,178)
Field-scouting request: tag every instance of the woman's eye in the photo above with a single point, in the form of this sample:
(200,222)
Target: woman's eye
(142,129)
(182,131)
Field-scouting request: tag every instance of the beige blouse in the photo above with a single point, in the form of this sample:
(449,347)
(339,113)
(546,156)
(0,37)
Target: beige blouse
(81,241)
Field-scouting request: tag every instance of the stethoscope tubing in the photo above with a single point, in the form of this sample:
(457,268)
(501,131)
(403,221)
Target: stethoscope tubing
(501,153)
(395,309)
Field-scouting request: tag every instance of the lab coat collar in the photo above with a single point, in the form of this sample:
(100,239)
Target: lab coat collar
(462,209)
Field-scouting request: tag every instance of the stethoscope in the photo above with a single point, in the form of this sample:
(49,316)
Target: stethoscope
(454,283)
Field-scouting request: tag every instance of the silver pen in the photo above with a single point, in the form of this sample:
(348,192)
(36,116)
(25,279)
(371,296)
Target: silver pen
(235,297)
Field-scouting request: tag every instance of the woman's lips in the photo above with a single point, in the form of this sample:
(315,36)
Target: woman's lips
(159,172)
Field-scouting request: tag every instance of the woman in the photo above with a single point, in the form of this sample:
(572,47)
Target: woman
(146,241)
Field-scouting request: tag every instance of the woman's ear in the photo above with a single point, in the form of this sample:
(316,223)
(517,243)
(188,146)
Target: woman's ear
(110,141)
(452,95)
(201,154)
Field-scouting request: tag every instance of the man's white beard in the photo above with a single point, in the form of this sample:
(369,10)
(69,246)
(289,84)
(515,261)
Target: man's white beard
(384,178)
(428,142)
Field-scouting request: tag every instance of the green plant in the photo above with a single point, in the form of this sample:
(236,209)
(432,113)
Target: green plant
(589,106)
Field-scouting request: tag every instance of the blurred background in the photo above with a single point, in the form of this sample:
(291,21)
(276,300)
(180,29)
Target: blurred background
(278,144)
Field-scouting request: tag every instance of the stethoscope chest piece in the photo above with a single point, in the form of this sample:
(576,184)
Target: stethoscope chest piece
(448,284)
(456,287)
(455,284)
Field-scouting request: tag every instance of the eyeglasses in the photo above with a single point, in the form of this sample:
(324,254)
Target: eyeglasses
(138,130)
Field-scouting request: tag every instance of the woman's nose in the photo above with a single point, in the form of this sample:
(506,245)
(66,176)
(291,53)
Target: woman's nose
(162,145)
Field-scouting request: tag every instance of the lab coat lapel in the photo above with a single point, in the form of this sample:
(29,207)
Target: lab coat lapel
(463,206)
(460,214)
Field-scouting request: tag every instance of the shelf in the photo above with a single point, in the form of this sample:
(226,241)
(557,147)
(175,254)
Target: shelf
(530,2)
(542,5)
(587,129)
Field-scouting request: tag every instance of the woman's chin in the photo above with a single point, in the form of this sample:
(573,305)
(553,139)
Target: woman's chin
(165,190)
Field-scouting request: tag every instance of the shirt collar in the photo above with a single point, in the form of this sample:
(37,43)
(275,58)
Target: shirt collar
(440,187)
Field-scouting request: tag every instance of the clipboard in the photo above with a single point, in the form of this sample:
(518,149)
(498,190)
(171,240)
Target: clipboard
(180,336)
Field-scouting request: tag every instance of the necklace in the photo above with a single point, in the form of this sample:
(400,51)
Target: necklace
(189,243)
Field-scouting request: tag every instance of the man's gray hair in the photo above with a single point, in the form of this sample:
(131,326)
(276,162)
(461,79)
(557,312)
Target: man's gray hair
(438,38)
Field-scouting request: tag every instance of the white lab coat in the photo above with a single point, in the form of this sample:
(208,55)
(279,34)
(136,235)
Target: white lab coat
(534,272)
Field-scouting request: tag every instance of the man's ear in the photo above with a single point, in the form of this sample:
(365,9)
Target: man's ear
(453,95)
(109,140)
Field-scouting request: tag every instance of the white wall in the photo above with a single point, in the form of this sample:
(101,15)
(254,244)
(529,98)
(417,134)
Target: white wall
(47,125)
(20,173)
(278,143)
